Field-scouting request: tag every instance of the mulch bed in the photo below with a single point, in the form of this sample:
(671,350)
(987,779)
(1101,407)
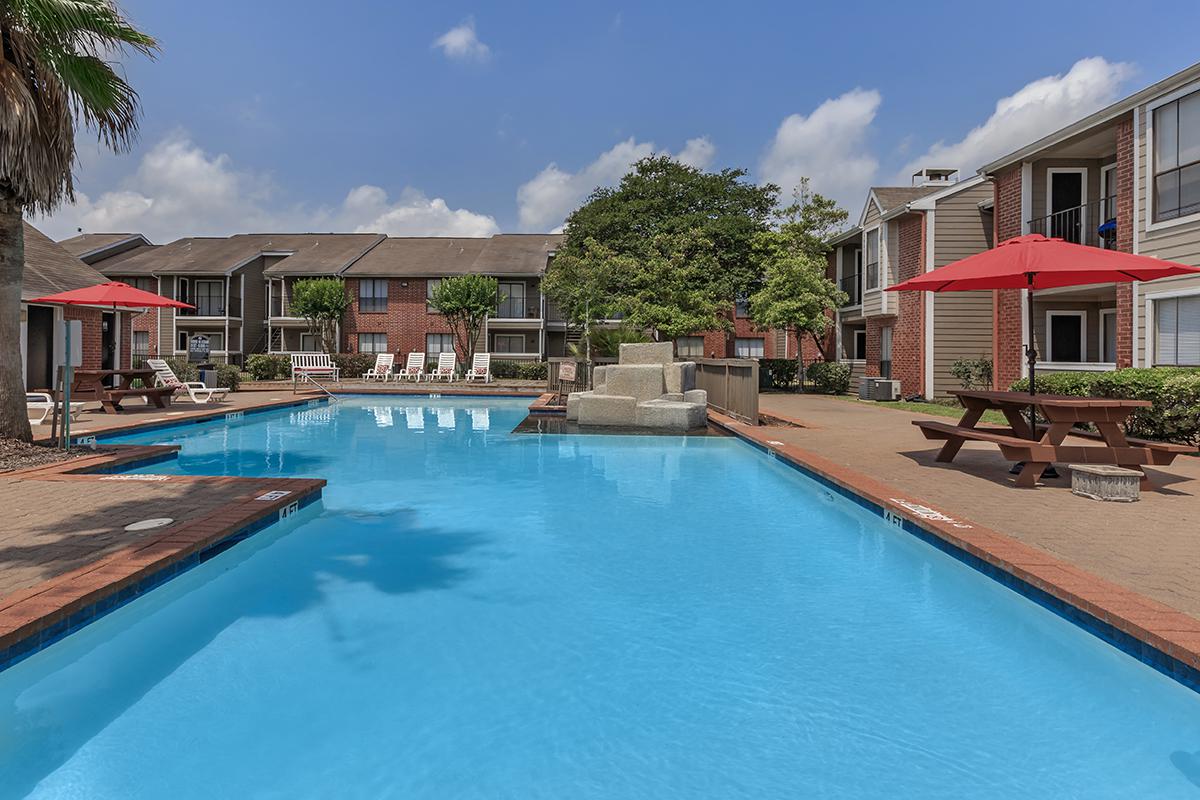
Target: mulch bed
(15,454)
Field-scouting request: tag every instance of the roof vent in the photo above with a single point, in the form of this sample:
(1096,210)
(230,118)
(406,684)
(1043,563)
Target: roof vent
(934,176)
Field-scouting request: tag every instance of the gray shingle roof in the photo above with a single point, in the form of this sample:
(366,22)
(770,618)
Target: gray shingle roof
(50,269)
(308,254)
(88,243)
(892,197)
(502,254)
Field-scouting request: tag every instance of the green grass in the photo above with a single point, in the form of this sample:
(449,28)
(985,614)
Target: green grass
(949,409)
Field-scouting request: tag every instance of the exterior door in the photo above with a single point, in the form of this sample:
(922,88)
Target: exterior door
(108,342)
(39,352)
(885,352)
(1065,203)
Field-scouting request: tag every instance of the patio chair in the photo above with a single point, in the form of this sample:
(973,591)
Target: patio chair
(196,390)
(481,368)
(42,403)
(415,368)
(382,370)
(447,363)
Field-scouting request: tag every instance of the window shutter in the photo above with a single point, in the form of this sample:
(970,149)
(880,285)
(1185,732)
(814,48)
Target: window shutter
(1188,331)
(1165,329)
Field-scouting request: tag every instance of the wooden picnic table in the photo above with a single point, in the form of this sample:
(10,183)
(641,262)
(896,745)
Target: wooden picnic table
(1019,443)
(88,384)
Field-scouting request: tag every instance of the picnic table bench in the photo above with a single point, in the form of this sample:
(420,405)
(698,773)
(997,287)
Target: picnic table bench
(1045,446)
(88,384)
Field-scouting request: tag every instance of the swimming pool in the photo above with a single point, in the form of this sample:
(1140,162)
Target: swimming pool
(471,613)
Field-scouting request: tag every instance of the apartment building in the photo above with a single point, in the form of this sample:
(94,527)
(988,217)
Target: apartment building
(903,231)
(1126,177)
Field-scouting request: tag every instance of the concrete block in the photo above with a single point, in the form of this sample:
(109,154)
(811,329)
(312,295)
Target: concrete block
(698,396)
(680,376)
(660,353)
(1106,482)
(675,397)
(598,376)
(599,409)
(573,404)
(641,382)
(670,415)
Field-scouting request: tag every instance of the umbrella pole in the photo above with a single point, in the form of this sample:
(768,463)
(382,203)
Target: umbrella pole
(1031,357)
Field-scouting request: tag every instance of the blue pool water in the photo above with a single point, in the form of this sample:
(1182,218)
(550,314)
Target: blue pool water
(471,613)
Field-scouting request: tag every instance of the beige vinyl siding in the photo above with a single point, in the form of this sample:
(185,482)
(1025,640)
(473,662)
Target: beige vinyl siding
(962,321)
(166,327)
(1091,324)
(872,298)
(1174,243)
(254,307)
(1093,165)
(858,370)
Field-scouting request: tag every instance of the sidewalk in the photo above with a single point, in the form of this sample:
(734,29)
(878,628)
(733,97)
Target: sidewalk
(1151,547)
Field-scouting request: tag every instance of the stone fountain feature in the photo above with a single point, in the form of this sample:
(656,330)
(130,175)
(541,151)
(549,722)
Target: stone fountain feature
(647,388)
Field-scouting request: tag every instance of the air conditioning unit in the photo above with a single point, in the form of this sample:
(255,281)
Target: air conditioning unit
(885,390)
(865,387)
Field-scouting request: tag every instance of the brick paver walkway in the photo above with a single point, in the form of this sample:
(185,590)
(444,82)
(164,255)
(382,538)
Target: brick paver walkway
(1151,547)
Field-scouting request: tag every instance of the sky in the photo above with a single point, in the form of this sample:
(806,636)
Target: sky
(472,118)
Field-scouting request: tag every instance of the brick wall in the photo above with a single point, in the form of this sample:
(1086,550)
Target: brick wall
(147,321)
(1125,223)
(908,333)
(125,347)
(90,319)
(874,340)
(406,321)
(1006,353)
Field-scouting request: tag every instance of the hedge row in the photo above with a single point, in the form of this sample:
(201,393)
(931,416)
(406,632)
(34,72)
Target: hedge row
(1173,391)
(228,375)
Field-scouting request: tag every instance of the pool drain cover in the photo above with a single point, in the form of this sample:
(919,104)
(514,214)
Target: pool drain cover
(149,524)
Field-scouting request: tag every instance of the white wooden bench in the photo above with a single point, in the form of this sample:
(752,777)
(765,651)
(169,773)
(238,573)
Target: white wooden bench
(310,365)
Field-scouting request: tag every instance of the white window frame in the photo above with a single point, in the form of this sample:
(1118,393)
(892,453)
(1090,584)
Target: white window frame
(1083,194)
(854,344)
(880,266)
(430,285)
(1105,356)
(316,340)
(358,342)
(1151,225)
(1151,322)
(374,296)
(692,339)
(496,337)
(1083,348)
(431,351)
(1105,171)
(737,345)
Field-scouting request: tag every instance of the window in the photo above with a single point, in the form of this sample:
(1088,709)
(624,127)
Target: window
(689,347)
(1177,158)
(372,343)
(209,298)
(741,307)
(1177,331)
(141,348)
(748,348)
(509,343)
(310,343)
(1065,336)
(438,343)
(873,259)
(430,287)
(145,284)
(1108,335)
(372,296)
(859,353)
(511,303)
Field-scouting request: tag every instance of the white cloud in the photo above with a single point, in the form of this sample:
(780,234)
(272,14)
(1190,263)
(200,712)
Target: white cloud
(1033,111)
(546,199)
(828,146)
(180,190)
(461,43)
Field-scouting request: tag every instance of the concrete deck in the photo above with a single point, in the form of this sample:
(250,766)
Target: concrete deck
(1151,547)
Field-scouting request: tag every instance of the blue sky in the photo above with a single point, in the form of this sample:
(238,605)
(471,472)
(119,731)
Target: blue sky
(467,118)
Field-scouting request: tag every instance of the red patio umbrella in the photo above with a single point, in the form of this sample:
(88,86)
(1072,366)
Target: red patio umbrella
(1035,262)
(113,293)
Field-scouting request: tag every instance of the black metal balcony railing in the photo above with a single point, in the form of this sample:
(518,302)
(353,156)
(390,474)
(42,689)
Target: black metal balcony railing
(852,286)
(517,308)
(212,307)
(1093,224)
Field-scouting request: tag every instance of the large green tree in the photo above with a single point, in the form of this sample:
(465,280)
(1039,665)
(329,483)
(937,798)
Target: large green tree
(56,75)
(796,295)
(323,302)
(466,301)
(663,245)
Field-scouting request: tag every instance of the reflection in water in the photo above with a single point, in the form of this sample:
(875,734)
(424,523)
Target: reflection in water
(445,418)
(383,415)
(414,418)
(480,421)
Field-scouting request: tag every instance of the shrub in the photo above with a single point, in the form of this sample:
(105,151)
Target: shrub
(353,365)
(830,377)
(777,373)
(520,370)
(1180,398)
(973,373)
(269,366)
(228,375)
(1074,384)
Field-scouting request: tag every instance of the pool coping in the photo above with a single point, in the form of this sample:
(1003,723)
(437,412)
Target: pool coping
(36,617)
(1156,634)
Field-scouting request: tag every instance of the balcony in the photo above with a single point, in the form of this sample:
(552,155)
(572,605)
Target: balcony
(518,308)
(212,307)
(1093,224)
(852,286)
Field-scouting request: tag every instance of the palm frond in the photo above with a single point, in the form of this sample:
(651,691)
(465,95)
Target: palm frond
(101,98)
(93,26)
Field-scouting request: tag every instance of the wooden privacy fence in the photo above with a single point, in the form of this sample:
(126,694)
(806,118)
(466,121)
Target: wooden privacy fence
(583,376)
(732,386)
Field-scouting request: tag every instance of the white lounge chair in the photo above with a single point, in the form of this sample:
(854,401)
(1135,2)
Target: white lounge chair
(447,363)
(481,368)
(414,370)
(42,403)
(196,390)
(382,370)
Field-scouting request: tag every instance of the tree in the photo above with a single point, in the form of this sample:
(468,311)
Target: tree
(796,296)
(56,74)
(466,301)
(581,286)
(676,222)
(323,303)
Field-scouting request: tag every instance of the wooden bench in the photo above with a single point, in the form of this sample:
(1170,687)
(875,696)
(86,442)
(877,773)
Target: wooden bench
(157,396)
(307,365)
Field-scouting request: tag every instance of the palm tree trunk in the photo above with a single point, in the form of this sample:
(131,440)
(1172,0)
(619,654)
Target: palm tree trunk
(14,423)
